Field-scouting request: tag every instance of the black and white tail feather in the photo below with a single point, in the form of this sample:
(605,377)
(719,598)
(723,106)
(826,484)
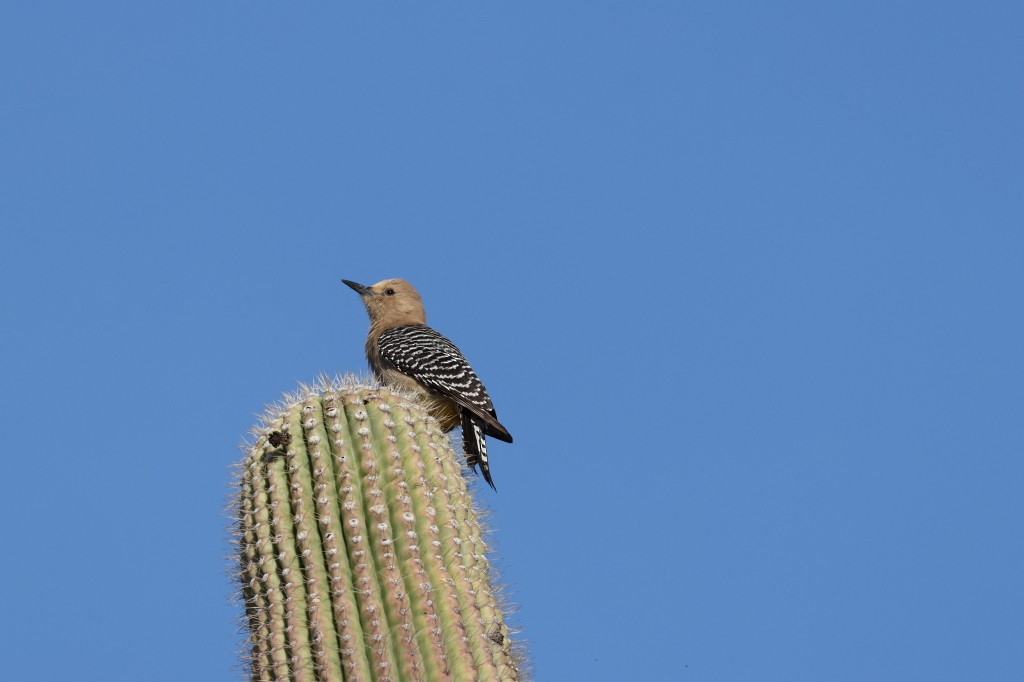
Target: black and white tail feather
(475,445)
(418,351)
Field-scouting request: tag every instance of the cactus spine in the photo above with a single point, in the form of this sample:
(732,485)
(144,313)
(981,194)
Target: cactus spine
(361,557)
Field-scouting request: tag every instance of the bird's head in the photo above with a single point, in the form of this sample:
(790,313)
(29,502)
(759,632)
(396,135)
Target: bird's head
(391,302)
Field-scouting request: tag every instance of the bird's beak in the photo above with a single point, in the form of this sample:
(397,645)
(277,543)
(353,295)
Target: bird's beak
(358,288)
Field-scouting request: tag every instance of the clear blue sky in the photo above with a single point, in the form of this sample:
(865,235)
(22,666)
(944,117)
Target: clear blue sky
(744,279)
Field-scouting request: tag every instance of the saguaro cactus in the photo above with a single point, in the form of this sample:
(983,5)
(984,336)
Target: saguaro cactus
(361,557)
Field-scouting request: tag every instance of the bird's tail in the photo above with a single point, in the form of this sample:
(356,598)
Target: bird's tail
(475,444)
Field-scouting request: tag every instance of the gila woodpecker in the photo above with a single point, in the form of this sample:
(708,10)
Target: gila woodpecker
(402,350)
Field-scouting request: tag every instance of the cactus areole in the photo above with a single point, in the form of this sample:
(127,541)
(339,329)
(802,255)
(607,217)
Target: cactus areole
(360,553)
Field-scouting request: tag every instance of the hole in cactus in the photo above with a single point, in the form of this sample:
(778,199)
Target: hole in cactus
(279,439)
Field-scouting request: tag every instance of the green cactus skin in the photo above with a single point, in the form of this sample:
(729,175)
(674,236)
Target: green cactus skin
(361,557)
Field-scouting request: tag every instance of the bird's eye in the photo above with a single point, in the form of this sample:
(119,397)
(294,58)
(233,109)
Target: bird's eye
(389,292)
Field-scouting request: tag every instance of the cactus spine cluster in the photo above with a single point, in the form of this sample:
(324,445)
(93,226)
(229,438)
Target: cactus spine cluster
(361,557)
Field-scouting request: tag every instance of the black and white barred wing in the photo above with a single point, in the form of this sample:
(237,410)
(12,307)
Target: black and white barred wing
(425,355)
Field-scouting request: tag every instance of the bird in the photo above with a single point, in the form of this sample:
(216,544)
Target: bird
(403,351)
